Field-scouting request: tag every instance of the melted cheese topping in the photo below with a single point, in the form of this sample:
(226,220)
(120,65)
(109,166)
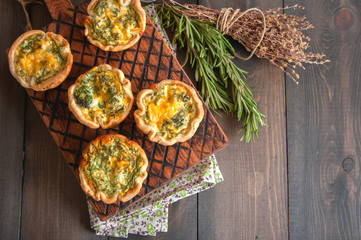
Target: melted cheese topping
(169,110)
(112,166)
(113,23)
(101,95)
(39,58)
(165,108)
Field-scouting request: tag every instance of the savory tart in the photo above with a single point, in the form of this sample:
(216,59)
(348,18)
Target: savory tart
(101,97)
(112,168)
(169,112)
(114,25)
(40,60)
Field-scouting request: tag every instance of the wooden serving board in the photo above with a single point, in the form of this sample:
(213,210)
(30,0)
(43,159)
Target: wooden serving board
(147,62)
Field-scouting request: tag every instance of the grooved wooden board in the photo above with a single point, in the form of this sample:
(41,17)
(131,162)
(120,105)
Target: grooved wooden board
(147,62)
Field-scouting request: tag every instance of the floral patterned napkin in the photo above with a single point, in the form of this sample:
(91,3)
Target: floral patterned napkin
(151,214)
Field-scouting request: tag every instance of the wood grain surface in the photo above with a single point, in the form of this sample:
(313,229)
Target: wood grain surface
(324,120)
(255,173)
(299,180)
(12,101)
(50,189)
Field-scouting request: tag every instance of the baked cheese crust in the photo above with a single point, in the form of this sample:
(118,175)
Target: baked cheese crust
(114,25)
(40,60)
(169,112)
(112,168)
(101,97)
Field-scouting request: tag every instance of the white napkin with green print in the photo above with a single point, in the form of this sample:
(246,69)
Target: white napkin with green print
(151,214)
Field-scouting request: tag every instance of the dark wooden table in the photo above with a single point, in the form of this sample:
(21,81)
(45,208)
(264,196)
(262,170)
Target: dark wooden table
(300,179)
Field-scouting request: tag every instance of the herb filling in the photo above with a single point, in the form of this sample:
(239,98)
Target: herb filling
(38,58)
(114,24)
(170,110)
(101,95)
(112,166)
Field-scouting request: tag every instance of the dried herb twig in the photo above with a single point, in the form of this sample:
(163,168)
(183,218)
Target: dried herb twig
(24,3)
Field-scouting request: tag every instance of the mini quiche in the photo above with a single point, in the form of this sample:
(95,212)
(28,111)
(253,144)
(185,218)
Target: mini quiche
(169,112)
(40,60)
(112,168)
(101,97)
(114,25)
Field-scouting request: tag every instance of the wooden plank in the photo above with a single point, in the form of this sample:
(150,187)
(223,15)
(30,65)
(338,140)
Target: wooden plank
(54,206)
(324,128)
(252,201)
(12,125)
(56,7)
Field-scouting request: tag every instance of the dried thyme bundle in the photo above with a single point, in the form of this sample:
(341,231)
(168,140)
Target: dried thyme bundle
(283,42)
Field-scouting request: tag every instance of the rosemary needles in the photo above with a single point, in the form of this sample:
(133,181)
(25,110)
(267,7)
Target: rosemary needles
(209,53)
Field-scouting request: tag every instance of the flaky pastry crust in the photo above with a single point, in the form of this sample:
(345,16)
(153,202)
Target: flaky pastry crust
(51,82)
(138,8)
(77,110)
(100,195)
(152,131)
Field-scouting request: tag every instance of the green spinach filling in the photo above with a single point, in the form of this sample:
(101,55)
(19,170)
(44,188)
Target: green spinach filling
(101,92)
(178,123)
(30,44)
(39,58)
(113,24)
(113,167)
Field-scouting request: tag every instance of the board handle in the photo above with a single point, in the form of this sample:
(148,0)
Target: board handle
(57,7)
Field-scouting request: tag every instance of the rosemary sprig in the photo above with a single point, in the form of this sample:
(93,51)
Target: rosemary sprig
(209,53)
